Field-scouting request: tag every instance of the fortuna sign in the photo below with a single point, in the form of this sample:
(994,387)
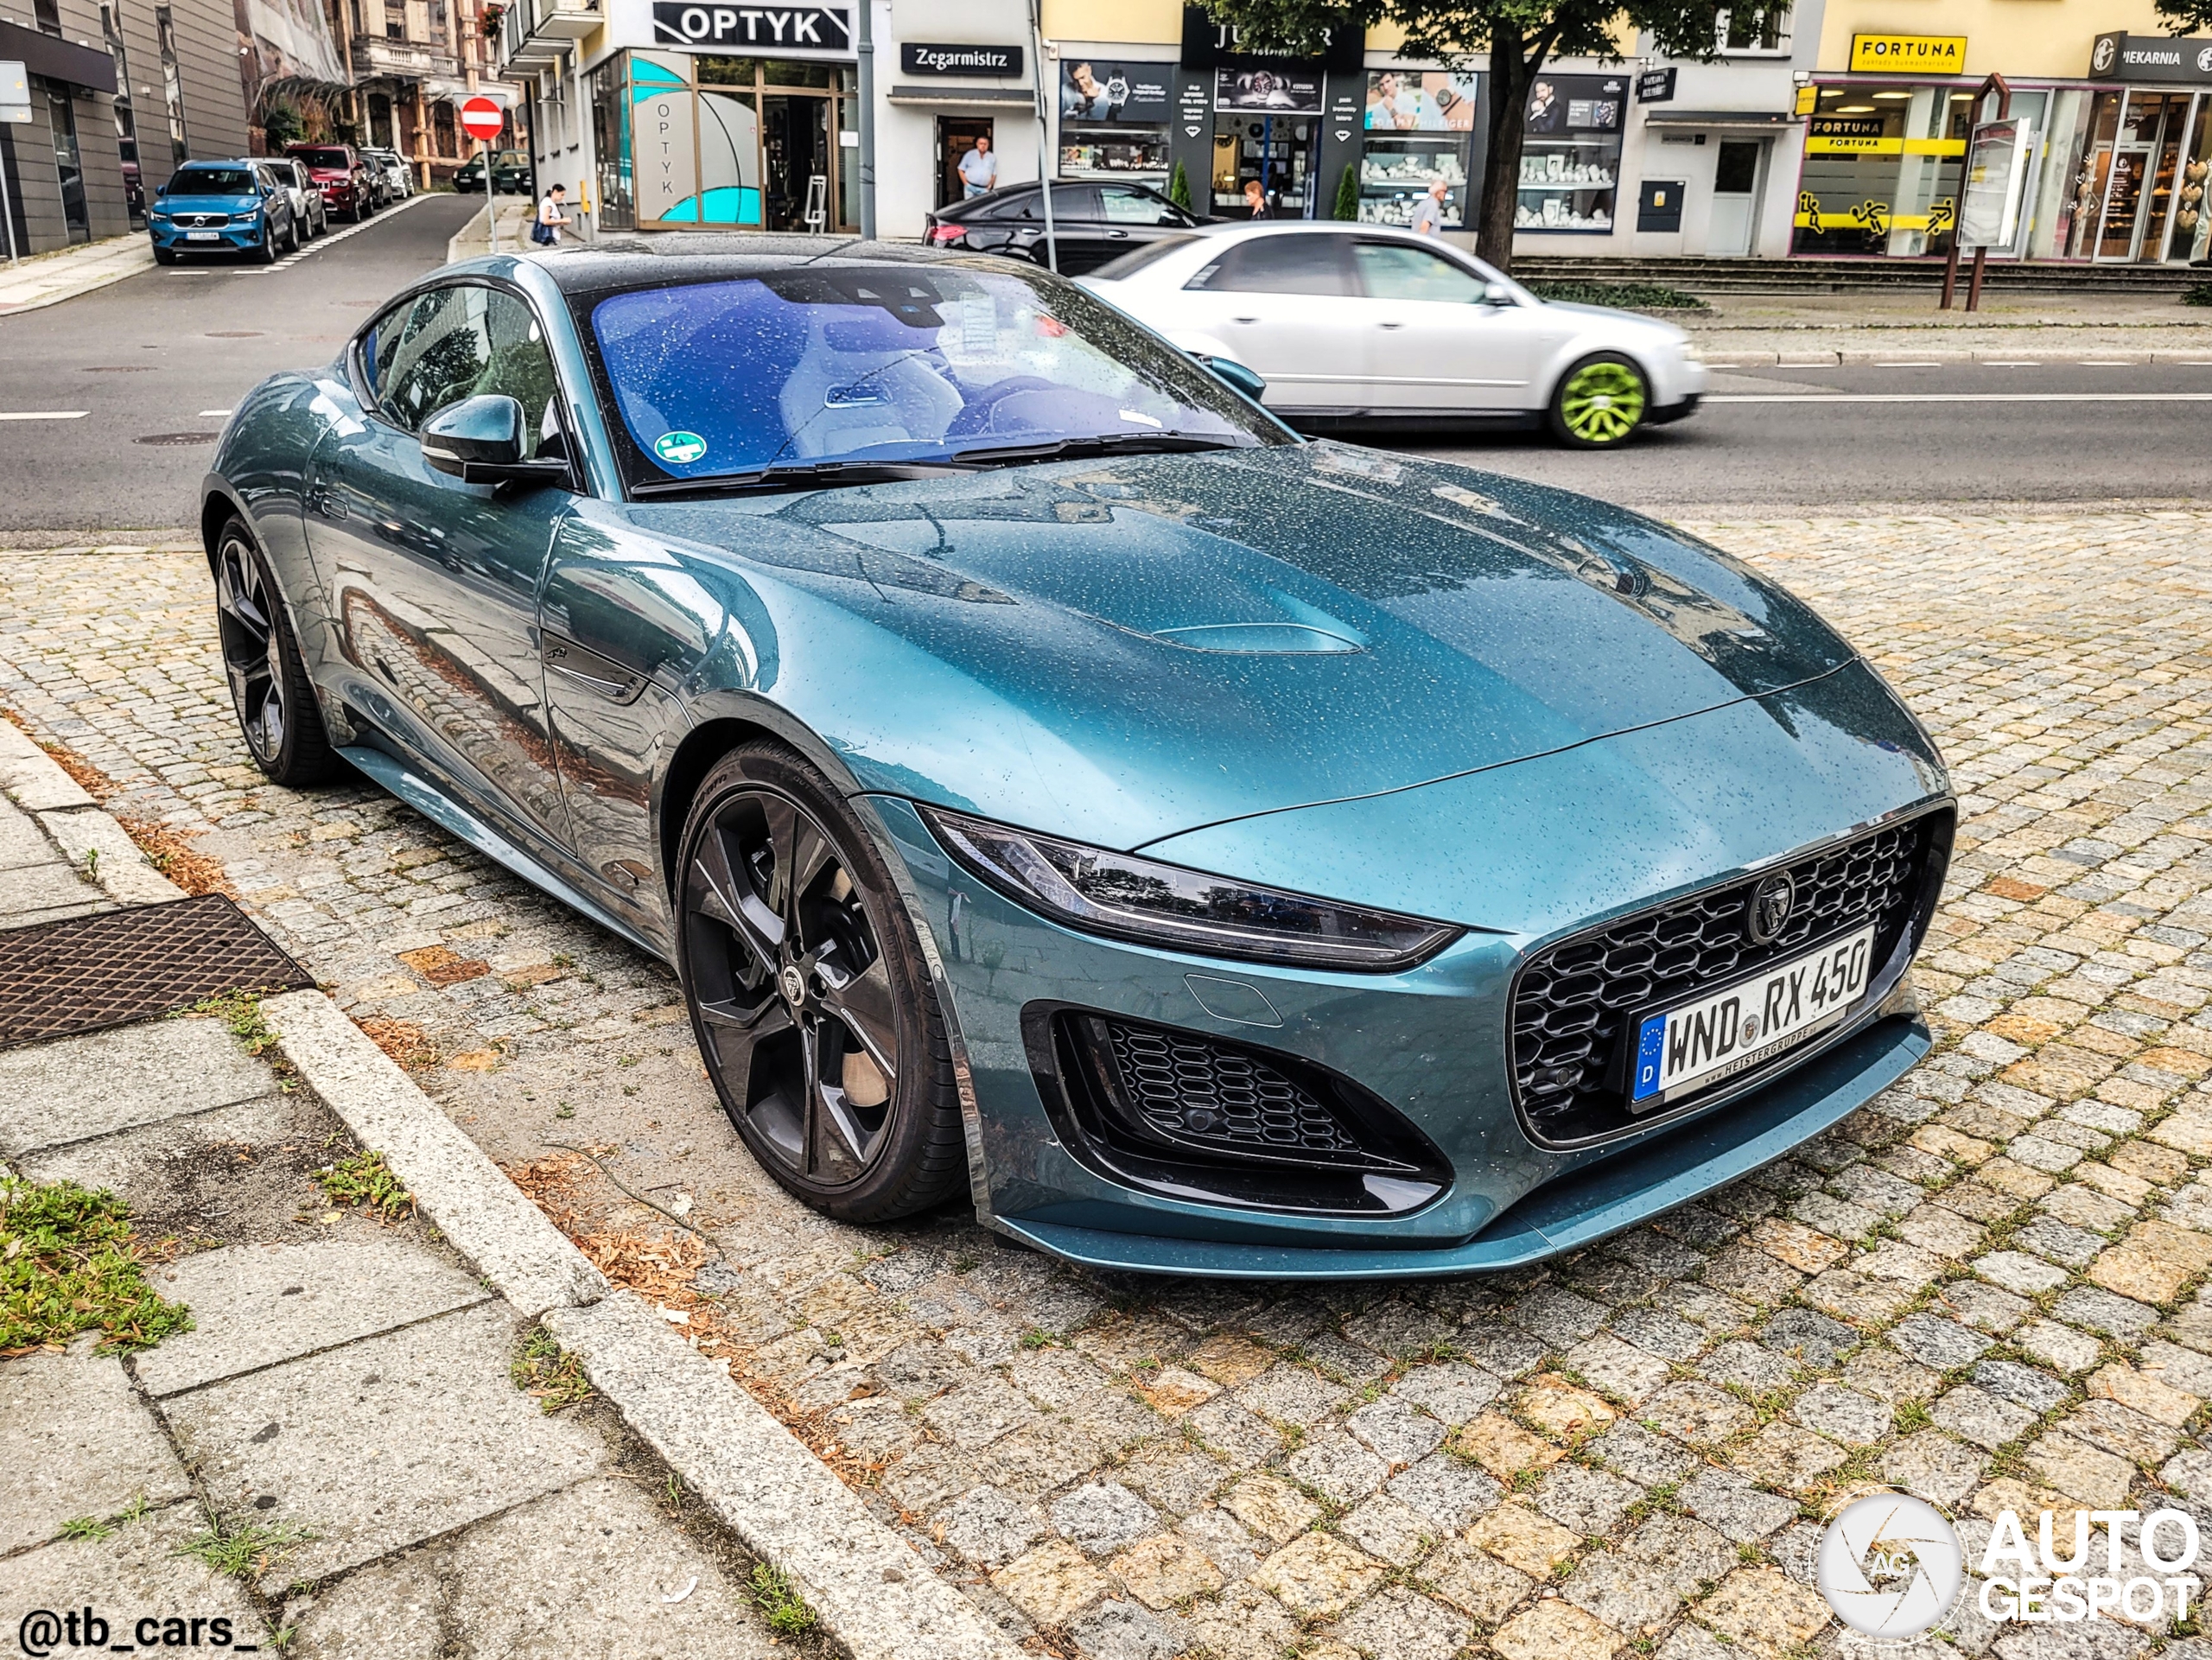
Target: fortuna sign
(764,30)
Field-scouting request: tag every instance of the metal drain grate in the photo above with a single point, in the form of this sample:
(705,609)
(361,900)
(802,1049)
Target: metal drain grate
(88,973)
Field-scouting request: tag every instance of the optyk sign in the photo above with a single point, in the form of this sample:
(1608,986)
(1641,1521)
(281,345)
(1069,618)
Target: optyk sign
(770,31)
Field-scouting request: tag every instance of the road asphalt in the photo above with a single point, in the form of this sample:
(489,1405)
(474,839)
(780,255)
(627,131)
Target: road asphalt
(155,363)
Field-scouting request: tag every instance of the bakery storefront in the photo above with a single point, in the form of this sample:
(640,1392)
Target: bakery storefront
(733,118)
(2117,172)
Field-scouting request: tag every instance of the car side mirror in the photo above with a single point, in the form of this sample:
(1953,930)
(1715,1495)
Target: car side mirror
(480,441)
(1237,376)
(1497,294)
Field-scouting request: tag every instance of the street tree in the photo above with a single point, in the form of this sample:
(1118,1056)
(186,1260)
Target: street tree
(1514,39)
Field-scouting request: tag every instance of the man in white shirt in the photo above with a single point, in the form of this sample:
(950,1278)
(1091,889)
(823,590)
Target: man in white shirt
(979,169)
(1428,212)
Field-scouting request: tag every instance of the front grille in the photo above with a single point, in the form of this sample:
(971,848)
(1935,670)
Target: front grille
(203,221)
(1575,1003)
(1198,1092)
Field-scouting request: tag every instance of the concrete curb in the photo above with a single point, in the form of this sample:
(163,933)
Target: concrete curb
(34,780)
(485,1215)
(874,1595)
(1906,352)
(871,1590)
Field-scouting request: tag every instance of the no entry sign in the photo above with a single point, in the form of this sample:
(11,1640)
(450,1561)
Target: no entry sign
(483,117)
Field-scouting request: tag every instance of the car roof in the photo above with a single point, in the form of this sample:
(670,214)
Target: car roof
(625,260)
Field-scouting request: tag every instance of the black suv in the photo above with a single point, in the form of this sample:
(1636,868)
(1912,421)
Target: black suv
(1092,222)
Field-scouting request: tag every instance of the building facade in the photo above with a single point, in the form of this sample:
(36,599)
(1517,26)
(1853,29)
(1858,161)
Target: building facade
(121,92)
(1820,132)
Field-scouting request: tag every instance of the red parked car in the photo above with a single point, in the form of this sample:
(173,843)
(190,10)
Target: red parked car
(345,180)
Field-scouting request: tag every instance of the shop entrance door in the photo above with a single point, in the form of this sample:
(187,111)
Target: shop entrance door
(956,136)
(795,156)
(2141,178)
(1735,187)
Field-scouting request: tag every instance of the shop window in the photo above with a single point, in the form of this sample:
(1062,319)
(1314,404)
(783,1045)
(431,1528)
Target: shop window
(757,145)
(1419,126)
(1114,118)
(609,93)
(1883,165)
(1570,155)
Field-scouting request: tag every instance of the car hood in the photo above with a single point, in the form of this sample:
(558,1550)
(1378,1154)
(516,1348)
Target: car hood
(1635,320)
(1125,649)
(176,203)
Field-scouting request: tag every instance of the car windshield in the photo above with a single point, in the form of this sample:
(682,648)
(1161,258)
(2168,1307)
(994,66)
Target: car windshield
(322,157)
(211,181)
(886,364)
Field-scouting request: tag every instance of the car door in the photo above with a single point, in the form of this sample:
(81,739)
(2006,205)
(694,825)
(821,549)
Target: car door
(1435,342)
(1283,302)
(435,583)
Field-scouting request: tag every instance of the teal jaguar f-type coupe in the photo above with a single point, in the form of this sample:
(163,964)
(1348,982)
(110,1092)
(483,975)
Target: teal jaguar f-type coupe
(1054,781)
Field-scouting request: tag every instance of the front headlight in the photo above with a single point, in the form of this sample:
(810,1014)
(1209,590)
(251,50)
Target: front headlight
(1101,892)
(1690,354)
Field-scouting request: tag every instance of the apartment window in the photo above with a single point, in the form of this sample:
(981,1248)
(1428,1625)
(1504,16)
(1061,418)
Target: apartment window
(48,13)
(1755,28)
(172,83)
(126,124)
(68,163)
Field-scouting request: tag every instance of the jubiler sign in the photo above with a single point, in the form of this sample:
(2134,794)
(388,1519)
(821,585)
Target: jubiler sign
(769,31)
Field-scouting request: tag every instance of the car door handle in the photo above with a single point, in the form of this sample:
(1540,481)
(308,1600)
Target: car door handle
(582,666)
(1390,325)
(1122,235)
(1244,320)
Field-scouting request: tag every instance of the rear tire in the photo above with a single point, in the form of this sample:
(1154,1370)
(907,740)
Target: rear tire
(809,996)
(1599,402)
(275,701)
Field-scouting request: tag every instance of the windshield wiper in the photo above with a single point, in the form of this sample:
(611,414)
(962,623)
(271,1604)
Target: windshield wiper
(1104,443)
(802,475)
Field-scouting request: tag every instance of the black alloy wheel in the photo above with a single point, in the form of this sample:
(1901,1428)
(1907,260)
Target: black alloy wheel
(809,996)
(276,705)
(265,252)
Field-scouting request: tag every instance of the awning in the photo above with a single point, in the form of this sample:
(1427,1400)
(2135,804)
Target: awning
(995,96)
(56,60)
(1659,115)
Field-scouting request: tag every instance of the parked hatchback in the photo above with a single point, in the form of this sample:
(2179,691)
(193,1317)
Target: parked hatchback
(1091,223)
(511,173)
(341,176)
(222,207)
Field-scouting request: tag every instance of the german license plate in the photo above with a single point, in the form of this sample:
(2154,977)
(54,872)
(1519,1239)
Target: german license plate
(203,236)
(1725,1032)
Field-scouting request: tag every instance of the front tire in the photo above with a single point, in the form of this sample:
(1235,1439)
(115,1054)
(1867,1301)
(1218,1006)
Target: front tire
(165,255)
(276,709)
(808,994)
(1599,402)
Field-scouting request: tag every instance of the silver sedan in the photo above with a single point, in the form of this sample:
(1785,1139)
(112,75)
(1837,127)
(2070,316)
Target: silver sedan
(1361,322)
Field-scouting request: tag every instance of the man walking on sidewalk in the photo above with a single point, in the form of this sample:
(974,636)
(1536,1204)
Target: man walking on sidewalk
(1428,212)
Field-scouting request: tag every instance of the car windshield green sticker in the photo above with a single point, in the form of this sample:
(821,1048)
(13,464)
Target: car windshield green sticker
(679,448)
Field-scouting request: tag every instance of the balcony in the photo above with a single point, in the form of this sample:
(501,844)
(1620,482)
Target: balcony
(535,35)
(375,59)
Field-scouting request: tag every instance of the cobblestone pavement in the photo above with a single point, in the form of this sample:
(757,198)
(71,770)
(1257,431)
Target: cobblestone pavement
(1984,1289)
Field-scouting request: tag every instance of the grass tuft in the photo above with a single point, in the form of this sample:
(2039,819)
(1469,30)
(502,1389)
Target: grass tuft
(244,1550)
(787,1611)
(240,1014)
(366,1180)
(70,1263)
(540,1369)
(2197,294)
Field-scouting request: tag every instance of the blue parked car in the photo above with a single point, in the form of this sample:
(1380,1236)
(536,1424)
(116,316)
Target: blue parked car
(1060,786)
(223,207)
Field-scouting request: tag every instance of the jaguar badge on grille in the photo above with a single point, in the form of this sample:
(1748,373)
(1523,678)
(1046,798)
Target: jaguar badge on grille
(1769,911)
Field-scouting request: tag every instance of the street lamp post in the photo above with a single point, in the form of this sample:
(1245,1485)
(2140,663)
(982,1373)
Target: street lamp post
(864,49)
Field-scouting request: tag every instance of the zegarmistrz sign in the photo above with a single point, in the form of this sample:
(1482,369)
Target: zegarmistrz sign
(766,31)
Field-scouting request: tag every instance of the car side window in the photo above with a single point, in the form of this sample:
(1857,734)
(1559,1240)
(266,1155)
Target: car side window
(1070,202)
(1294,264)
(1122,206)
(455,342)
(1397,270)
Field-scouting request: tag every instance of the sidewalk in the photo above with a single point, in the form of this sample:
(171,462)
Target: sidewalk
(44,279)
(473,240)
(339,1430)
(1752,329)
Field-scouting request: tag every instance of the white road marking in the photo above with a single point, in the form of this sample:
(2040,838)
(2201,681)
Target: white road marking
(1930,364)
(206,414)
(1959,397)
(2011,363)
(43,415)
(2106,363)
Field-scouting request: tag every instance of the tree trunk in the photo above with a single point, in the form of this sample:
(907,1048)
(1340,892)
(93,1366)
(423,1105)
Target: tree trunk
(1510,77)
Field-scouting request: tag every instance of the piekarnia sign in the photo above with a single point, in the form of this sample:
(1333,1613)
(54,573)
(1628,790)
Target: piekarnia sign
(764,30)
